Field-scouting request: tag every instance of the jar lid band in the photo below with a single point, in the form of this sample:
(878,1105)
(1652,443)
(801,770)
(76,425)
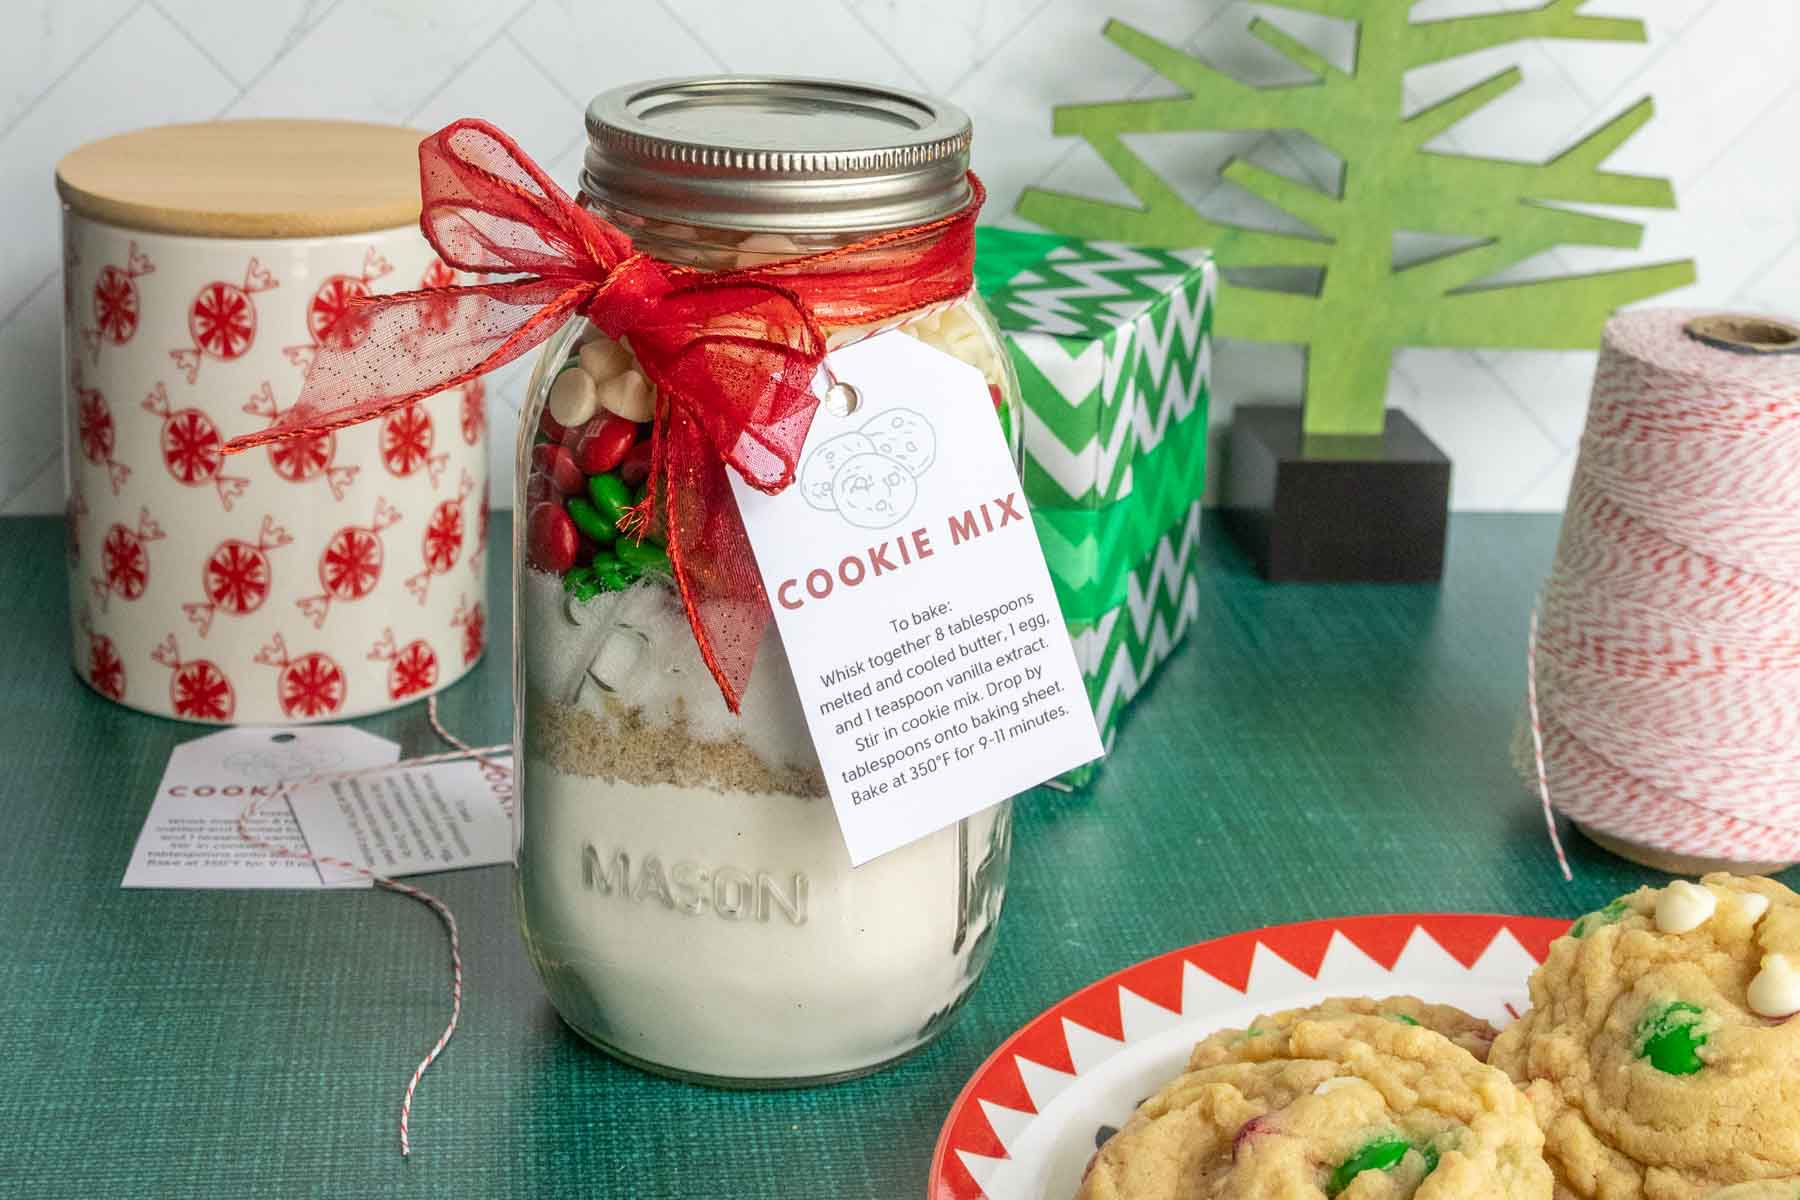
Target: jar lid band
(780,155)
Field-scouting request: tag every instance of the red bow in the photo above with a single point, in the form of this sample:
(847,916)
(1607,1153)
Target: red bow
(732,354)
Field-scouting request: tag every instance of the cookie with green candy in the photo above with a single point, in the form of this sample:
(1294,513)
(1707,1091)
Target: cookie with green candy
(1659,1051)
(1351,1100)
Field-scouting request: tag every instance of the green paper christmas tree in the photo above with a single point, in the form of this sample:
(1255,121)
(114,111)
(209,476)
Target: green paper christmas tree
(1365,307)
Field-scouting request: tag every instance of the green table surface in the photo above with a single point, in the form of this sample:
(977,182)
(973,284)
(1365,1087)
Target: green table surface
(1309,751)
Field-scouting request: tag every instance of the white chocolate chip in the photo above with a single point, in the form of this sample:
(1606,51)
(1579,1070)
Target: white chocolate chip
(629,395)
(603,359)
(573,399)
(1334,1083)
(1683,907)
(1755,905)
(1775,992)
(763,244)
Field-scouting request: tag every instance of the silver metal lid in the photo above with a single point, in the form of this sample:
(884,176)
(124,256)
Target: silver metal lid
(800,156)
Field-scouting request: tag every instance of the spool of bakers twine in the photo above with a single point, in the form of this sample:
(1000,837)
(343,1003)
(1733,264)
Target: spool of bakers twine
(1664,662)
(463,750)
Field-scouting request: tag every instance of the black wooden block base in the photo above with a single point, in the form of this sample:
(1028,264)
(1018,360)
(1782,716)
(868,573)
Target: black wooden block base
(1336,509)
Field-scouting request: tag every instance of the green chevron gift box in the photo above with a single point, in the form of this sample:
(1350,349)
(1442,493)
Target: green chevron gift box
(1113,347)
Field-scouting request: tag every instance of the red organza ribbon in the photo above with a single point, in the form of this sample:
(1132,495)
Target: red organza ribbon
(732,354)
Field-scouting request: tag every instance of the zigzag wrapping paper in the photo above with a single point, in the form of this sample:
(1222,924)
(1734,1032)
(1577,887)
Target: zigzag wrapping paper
(1113,348)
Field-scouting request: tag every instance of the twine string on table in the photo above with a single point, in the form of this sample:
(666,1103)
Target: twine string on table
(1663,681)
(463,751)
(1537,748)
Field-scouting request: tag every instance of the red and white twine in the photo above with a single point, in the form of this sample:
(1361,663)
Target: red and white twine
(1664,687)
(463,751)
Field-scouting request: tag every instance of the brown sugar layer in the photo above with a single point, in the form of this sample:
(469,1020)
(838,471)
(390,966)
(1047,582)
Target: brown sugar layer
(621,745)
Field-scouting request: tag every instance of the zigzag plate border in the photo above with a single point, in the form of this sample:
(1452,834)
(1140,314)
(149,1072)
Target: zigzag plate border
(1023,1127)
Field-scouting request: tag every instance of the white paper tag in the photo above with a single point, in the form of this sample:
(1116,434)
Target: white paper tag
(913,600)
(190,839)
(409,820)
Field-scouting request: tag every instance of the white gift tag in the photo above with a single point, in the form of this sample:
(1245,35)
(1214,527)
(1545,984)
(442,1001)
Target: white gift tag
(913,600)
(190,839)
(409,820)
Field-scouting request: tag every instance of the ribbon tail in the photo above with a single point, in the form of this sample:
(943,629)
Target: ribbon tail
(386,352)
(715,570)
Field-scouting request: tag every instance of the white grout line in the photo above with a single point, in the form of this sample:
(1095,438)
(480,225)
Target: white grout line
(296,34)
(456,72)
(31,479)
(181,31)
(986,56)
(718,59)
(850,9)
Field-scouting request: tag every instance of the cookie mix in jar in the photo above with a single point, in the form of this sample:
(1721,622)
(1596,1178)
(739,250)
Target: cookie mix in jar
(684,886)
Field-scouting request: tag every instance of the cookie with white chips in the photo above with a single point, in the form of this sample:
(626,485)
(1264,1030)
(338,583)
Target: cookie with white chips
(1662,1051)
(1352,1100)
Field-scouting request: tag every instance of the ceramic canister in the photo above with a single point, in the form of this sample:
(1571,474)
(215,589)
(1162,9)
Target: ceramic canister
(326,577)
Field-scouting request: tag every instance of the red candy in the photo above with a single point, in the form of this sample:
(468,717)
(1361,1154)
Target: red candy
(603,443)
(539,489)
(551,540)
(551,428)
(994,391)
(634,468)
(557,463)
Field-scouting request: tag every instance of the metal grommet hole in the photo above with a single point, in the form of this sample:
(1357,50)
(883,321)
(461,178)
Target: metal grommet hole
(842,399)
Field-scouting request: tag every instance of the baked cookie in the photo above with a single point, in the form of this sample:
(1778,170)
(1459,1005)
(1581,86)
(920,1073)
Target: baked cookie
(1471,1033)
(1768,1189)
(1658,1052)
(1337,1102)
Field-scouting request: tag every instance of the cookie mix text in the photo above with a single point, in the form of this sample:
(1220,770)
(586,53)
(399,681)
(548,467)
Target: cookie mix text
(732,893)
(899,552)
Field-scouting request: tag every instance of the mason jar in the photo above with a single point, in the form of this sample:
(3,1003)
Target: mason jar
(684,890)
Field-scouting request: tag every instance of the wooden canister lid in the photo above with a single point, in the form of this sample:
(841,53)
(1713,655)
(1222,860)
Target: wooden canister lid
(249,179)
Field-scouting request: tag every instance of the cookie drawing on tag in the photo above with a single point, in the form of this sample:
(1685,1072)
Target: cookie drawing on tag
(870,477)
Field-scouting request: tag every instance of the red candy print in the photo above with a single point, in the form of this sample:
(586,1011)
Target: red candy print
(470,619)
(556,463)
(310,685)
(350,565)
(304,457)
(198,690)
(105,669)
(235,576)
(436,315)
(222,320)
(406,437)
(442,541)
(191,448)
(95,432)
(473,415)
(116,302)
(603,444)
(124,561)
(412,668)
(481,532)
(331,322)
(550,538)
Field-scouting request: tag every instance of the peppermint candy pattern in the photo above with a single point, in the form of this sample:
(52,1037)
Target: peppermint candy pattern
(350,565)
(406,437)
(198,690)
(124,561)
(304,457)
(192,450)
(309,685)
(473,622)
(442,543)
(222,320)
(169,541)
(412,668)
(331,322)
(95,432)
(105,669)
(116,303)
(236,576)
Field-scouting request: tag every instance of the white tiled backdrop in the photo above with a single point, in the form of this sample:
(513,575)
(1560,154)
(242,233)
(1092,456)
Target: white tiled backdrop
(1723,73)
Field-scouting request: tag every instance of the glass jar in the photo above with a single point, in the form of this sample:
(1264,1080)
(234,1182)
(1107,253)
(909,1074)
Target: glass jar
(683,887)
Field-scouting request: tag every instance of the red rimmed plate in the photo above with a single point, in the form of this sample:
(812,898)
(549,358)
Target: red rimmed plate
(1026,1124)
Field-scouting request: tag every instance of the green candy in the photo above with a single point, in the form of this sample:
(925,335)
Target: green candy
(1670,1038)
(1382,1154)
(644,556)
(1610,915)
(1429,1153)
(587,518)
(611,497)
(582,584)
(1401,1018)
